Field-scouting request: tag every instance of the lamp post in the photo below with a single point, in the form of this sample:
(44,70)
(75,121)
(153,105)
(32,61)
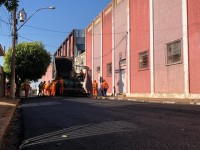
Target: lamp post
(14,37)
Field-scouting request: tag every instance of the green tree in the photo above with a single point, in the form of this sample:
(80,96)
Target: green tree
(9,4)
(32,61)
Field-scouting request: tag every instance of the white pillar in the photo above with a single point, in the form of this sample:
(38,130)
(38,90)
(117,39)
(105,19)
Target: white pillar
(151,8)
(128,49)
(185,46)
(92,51)
(113,45)
(101,65)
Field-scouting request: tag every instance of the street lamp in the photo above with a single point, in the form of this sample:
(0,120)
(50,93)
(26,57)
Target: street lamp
(14,36)
(51,7)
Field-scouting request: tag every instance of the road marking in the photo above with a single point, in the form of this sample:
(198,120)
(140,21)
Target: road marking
(81,132)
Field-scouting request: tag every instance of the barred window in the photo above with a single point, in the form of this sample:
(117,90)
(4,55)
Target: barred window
(174,52)
(109,69)
(143,60)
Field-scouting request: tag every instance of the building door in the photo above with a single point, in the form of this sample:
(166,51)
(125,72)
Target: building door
(122,81)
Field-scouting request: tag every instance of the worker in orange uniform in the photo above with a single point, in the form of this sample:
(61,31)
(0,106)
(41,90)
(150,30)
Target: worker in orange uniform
(26,88)
(47,88)
(94,89)
(105,87)
(61,82)
(53,88)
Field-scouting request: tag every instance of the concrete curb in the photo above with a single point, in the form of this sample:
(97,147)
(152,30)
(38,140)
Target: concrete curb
(161,101)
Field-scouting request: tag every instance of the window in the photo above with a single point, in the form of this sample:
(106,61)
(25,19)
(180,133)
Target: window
(174,52)
(143,60)
(109,69)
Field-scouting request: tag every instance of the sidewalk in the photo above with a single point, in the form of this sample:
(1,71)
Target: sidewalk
(7,109)
(156,100)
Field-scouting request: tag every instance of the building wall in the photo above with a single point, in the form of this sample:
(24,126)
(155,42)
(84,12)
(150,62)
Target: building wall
(120,40)
(194,45)
(167,28)
(48,76)
(71,48)
(139,42)
(107,44)
(97,48)
(89,47)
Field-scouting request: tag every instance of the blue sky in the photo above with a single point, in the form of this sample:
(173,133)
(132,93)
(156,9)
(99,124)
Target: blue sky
(51,27)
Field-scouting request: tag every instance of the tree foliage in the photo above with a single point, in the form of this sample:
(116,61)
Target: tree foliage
(9,4)
(32,61)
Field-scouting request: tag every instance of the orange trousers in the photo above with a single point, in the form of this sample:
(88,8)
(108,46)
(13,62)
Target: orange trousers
(95,92)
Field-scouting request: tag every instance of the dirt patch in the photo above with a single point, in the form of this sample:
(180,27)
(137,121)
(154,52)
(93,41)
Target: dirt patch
(14,134)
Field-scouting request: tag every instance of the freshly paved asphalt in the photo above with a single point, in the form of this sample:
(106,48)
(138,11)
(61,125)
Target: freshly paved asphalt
(85,124)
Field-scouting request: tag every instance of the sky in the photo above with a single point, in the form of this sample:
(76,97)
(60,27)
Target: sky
(51,27)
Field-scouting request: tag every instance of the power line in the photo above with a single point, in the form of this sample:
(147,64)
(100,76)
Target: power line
(33,41)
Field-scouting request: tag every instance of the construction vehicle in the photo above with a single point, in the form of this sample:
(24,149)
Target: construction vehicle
(64,67)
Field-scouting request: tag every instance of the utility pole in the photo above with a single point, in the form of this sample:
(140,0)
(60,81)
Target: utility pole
(14,35)
(14,42)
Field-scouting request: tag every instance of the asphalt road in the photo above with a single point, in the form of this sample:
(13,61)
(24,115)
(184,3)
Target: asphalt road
(86,124)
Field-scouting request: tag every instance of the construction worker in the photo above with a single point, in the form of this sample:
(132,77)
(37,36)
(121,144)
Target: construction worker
(26,88)
(40,86)
(47,88)
(53,88)
(105,87)
(94,89)
(61,82)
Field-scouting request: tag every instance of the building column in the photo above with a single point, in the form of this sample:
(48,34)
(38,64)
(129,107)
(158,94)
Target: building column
(113,46)
(128,49)
(151,8)
(92,51)
(101,65)
(185,47)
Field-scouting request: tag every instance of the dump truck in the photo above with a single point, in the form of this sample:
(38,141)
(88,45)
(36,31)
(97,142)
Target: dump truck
(64,67)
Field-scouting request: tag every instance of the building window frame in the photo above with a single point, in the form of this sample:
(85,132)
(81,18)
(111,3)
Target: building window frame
(109,69)
(174,52)
(143,60)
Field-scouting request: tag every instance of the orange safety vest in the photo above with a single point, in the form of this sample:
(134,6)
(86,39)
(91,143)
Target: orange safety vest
(105,85)
(94,85)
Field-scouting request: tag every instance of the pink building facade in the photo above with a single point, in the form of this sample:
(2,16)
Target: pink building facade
(194,45)
(107,46)
(97,49)
(139,46)
(48,76)
(153,50)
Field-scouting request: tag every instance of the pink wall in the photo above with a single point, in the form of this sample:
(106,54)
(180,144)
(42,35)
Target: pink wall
(48,76)
(71,42)
(167,28)
(107,47)
(120,37)
(194,45)
(139,42)
(97,50)
(88,48)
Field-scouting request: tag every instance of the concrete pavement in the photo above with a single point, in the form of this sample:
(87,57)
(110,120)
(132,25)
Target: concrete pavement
(7,109)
